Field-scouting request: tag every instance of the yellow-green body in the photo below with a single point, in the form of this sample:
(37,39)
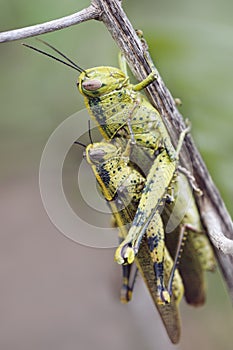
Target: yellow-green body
(122,185)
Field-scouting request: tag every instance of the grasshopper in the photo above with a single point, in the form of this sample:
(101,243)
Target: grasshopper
(121,173)
(125,188)
(121,186)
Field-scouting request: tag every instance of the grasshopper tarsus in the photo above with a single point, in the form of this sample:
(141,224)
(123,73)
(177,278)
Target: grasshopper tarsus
(191,179)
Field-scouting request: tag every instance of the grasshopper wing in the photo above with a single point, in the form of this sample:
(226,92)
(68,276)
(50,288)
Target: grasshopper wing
(197,255)
(169,313)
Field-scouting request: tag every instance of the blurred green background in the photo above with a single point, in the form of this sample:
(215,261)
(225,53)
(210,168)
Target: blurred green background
(56,294)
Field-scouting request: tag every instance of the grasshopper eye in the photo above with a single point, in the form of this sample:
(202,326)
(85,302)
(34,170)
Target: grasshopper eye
(92,85)
(96,154)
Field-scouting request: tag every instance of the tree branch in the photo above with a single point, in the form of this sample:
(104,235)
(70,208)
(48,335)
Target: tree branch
(91,12)
(214,215)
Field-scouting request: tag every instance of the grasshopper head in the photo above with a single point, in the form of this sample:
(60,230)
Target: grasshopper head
(100,152)
(99,81)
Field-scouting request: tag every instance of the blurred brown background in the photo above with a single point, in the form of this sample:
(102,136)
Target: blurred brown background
(56,294)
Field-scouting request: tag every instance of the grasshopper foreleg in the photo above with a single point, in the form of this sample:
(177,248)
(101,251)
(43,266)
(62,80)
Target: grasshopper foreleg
(145,82)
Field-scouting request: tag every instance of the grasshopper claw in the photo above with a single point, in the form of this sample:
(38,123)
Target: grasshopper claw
(129,255)
(124,254)
(164,298)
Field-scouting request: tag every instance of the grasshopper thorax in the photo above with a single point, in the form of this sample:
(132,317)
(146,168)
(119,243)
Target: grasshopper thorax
(98,81)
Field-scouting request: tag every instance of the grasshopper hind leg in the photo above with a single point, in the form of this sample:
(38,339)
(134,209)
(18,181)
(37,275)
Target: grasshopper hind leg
(155,240)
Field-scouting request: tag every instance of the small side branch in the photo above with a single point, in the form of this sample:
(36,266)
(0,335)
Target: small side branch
(89,13)
(220,241)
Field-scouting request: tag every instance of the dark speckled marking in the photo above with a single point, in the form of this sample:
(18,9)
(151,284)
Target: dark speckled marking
(153,242)
(158,267)
(104,174)
(98,111)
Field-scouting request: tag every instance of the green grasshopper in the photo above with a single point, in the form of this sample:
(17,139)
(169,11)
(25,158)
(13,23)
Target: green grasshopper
(121,186)
(121,173)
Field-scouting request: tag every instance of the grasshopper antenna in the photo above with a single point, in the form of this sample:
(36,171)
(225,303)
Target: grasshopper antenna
(73,65)
(61,54)
(80,144)
(89,131)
